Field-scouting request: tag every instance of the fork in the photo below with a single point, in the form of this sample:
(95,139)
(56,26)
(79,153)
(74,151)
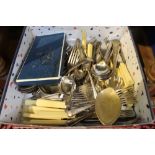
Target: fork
(76,54)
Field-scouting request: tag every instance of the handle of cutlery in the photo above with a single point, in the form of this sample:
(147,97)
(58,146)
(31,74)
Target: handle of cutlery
(84,41)
(78,110)
(92,84)
(90,50)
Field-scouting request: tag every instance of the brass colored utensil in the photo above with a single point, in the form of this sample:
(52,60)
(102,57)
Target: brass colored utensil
(96,49)
(74,54)
(116,47)
(78,74)
(77,54)
(127,96)
(109,52)
(127,114)
(84,41)
(76,111)
(92,84)
(108,106)
(115,81)
(85,62)
(67,85)
(129,122)
(78,100)
(84,115)
(90,51)
(125,75)
(86,90)
(98,56)
(101,71)
(56,97)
